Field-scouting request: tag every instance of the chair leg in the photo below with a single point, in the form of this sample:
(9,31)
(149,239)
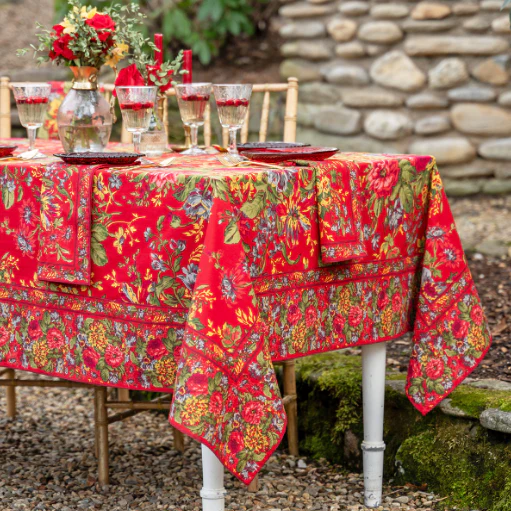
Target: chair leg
(101,430)
(253,487)
(123,394)
(10,395)
(291,407)
(179,440)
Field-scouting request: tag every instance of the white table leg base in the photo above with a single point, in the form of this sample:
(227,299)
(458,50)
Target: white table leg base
(213,491)
(373,384)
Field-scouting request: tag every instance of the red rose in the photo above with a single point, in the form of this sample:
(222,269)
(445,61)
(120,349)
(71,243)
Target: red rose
(460,328)
(197,384)
(397,303)
(101,23)
(236,442)
(90,358)
(61,47)
(152,77)
(129,75)
(311,315)
(55,339)
(435,369)
(253,412)
(383,300)
(114,356)
(156,348)
(338,324)
(355,316)
(477,315)
(383,177)
(215,403)
(294,314)
(177,353)
(414,369)
(58,29)
(429,289)
(34,330)
(4,336)
(419,162)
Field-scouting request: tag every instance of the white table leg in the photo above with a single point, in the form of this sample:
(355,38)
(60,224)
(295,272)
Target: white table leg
(213,492)
(373,383)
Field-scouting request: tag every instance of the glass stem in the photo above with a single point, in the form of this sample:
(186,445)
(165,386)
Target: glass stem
(233,148)
(194,135)
(31,138)
(137,137)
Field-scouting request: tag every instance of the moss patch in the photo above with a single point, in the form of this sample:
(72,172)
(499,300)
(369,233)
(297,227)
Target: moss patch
(457,458)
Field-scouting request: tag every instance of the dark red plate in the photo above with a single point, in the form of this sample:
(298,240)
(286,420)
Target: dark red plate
(7,150)
(256,146)
(299,153)
(99,158)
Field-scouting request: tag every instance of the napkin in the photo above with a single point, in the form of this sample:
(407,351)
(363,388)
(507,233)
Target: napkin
(65,236)
(339,212)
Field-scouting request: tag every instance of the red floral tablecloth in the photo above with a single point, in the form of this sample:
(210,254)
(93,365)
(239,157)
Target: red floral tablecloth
(202,275)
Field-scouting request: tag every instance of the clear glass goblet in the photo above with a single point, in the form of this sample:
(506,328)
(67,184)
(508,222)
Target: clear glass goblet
(32,103)
(137,103)
(232,102)
(193,99)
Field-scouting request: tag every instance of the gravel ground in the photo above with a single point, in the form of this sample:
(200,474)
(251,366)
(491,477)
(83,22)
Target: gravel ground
(48,464)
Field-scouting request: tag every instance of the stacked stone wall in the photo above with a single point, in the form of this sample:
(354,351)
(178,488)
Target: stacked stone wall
(419,77)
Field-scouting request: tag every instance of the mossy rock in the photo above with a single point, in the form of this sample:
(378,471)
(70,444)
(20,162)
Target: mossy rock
(455,457)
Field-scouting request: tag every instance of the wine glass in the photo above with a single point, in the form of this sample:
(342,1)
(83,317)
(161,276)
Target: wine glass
(32,102)
(137,103)
(232,103)
(192,99)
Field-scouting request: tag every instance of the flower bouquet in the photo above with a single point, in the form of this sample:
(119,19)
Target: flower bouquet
(85,40)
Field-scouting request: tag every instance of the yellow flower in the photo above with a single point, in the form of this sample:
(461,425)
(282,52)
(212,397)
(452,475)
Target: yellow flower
(194,409)
(117,54)
(84,13)
(69,28)
(97,337)
(120,238)
(255,440)
(166,371)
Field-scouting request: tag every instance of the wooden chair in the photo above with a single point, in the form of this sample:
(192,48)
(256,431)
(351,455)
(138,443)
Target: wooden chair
(123,402)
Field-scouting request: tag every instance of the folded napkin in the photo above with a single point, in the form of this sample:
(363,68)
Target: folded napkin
(65,236)
(339,214)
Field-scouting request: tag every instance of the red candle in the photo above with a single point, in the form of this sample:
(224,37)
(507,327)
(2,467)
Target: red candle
(187,66)
(158,54)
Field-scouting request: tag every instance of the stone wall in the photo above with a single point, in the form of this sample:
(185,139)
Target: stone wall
(419,77)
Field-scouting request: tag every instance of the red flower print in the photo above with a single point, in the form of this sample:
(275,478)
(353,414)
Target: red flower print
(90,358)
(197,384)
(294,314)
(419,162)
(414,369)
(215,403)
(311,315)
(253,412)
(156,348)
(4,336)
(177,353)
(397,302)
(355,316)
(236,442)
(383,177)
(338,324)
(449,255)
(460,328)
(28,213)
(435,368)
(429,289)
(34,330)
(383,300)
(114,356)
(477,315)
(55,339)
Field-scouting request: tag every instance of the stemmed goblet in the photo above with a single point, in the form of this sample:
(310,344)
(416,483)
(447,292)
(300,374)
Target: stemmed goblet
(192,99)
(232,102)
(136,104)
(32,102)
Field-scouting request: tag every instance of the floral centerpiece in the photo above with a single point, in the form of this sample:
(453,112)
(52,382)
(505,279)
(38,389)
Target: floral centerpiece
(86,40)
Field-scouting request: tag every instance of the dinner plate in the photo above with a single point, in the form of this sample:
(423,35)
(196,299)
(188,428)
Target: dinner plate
(99,158)
(256,146)
(309,153)
(7,150)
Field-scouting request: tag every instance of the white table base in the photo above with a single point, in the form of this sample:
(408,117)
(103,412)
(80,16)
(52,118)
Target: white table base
(373,387)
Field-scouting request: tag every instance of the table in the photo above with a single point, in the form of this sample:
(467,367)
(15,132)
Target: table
(193,278)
